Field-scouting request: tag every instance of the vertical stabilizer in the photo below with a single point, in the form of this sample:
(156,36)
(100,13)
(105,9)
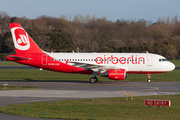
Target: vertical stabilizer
(22,41)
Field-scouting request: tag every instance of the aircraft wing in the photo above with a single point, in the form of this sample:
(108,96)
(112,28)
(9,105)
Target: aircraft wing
(93,67)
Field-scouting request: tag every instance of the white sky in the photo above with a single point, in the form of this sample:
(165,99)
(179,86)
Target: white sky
(112,9)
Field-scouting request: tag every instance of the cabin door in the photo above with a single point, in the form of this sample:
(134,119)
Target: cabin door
(149,60)
(44,59)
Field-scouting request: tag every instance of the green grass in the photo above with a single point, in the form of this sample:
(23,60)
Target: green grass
(44,75)
(176,62)
(37,75)
(104,108)
(9,63)
(169,76)
(19,87)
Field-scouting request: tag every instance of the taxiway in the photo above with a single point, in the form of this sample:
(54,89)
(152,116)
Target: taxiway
(79,90)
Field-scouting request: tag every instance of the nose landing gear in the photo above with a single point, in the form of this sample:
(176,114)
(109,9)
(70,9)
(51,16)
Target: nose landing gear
(149,78)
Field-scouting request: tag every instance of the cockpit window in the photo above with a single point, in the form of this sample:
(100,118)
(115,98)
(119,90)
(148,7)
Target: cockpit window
(162,60)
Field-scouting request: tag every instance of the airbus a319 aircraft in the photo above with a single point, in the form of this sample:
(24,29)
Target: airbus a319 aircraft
(115,66)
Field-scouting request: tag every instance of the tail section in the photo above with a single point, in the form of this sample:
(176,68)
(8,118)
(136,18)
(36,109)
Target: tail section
(22,41)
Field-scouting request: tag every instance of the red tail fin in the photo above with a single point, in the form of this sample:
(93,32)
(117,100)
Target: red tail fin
(22,41)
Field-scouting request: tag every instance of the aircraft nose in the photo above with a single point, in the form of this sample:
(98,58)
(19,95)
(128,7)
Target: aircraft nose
(171,66)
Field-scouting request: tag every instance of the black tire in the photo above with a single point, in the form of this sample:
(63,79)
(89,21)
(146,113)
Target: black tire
(96,79)
(149,81)
(93,80)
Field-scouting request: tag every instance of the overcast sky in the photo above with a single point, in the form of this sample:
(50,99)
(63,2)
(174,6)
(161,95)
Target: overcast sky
(112,9)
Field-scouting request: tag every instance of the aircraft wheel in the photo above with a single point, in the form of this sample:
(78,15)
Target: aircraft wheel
(149,81)
(93,80)
(96,79)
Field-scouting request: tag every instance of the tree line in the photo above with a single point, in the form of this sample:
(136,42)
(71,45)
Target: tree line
(92,34)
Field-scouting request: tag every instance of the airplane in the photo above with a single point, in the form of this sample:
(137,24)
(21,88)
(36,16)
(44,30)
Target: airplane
(115,66)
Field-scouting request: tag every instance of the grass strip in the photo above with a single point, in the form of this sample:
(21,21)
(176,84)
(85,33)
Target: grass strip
(103,108)
(176,62)
(44,75)
(10,63)
(19,87)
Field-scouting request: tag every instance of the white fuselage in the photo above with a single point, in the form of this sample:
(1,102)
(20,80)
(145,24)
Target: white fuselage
(132,62)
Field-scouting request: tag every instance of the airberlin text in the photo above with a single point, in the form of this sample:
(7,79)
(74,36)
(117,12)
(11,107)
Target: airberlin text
(134,59)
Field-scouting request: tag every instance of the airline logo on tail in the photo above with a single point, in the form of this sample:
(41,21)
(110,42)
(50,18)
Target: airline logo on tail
(21,39)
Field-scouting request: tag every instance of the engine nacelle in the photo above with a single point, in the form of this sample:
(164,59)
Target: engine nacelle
(115,74)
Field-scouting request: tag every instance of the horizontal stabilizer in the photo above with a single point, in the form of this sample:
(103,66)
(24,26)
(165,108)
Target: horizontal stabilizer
(18,57)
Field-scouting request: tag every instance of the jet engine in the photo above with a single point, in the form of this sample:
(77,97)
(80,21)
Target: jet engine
(115,74)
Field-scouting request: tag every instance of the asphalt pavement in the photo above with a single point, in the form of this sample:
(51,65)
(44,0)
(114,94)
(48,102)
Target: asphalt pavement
(79,90)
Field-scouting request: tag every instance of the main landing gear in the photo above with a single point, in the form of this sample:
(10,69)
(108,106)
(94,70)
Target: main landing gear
(149,78)
(94,78)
